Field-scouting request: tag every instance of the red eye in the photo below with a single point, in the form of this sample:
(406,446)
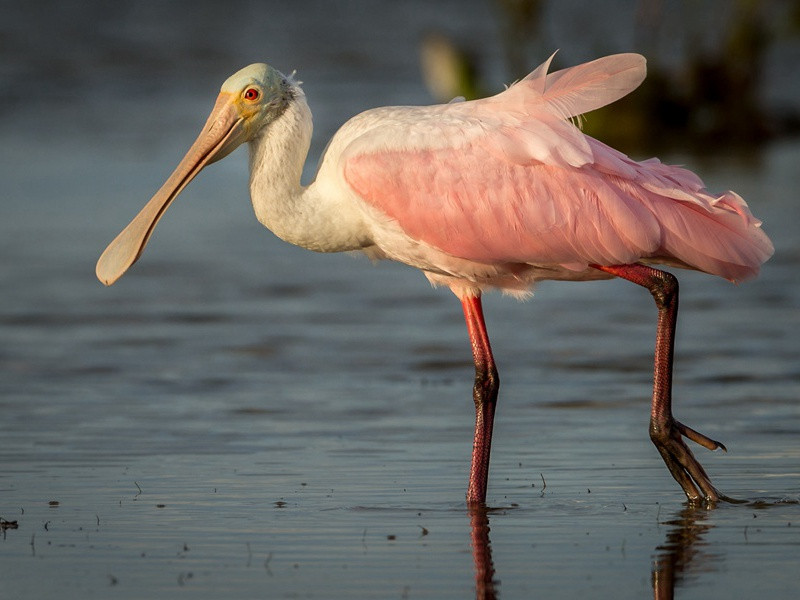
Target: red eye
(251,94)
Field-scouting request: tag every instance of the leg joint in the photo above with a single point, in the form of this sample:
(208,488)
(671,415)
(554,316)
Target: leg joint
(664,288)
(487,382)
(662,285)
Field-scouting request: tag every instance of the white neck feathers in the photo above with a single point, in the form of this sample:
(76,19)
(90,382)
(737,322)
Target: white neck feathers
(297,214)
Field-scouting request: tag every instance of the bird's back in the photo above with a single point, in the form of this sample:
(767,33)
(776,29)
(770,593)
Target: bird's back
(510,180)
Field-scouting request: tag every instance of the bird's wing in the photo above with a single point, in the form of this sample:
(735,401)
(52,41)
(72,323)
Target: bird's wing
(577,90)
(474,203)
(510,179)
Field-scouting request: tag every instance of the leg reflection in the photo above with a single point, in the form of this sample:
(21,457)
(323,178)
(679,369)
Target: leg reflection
(682,553)
(482,554)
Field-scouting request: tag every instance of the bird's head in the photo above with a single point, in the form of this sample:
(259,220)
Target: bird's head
(249,100)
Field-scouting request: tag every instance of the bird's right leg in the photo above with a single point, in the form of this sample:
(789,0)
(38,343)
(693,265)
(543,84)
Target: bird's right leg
(666,432)
(484,394)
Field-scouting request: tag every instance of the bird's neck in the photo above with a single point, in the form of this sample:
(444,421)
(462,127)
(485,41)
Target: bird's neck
(294,213)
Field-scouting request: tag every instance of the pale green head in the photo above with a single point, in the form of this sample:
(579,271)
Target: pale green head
(259,94)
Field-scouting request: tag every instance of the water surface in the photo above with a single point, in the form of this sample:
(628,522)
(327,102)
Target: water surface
(240,418)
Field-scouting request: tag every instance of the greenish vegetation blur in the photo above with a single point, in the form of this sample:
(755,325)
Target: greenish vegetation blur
(710,98)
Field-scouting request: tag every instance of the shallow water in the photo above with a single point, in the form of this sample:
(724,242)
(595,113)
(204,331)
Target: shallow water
(240,418)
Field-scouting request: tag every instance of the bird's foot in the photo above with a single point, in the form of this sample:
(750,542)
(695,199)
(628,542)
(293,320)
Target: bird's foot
(668,437)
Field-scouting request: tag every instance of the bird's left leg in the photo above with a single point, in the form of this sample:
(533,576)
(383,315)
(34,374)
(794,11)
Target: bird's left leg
(484,394)
(666,432)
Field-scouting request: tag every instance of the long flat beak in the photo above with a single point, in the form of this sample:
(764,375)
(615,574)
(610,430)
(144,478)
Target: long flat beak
(221,134)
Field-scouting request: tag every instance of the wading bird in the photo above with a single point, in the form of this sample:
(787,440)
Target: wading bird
(493,193)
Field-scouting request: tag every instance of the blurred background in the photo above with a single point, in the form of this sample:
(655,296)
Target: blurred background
(720,71)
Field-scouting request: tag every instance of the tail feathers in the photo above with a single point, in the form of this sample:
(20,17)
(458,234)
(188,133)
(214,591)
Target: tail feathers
(717,235)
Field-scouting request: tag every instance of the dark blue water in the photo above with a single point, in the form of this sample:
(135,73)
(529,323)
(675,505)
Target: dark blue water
(240,418)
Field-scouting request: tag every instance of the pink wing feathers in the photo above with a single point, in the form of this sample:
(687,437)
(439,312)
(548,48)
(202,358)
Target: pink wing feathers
(510,179)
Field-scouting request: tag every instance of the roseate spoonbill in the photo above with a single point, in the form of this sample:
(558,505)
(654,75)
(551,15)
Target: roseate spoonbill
(492,193)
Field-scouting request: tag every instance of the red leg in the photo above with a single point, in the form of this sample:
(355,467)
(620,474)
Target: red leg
(485,395)
(665,431)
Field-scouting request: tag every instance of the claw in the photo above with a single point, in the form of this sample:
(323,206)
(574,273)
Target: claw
(698,438)
(687,471)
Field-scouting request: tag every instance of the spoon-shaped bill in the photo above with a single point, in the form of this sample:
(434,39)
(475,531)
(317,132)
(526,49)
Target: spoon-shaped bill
(220,136)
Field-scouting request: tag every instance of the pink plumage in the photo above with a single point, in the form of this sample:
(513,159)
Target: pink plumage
(509,179)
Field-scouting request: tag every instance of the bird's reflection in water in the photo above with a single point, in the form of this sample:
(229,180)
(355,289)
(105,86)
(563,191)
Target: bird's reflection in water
(682,553)
(482,554)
